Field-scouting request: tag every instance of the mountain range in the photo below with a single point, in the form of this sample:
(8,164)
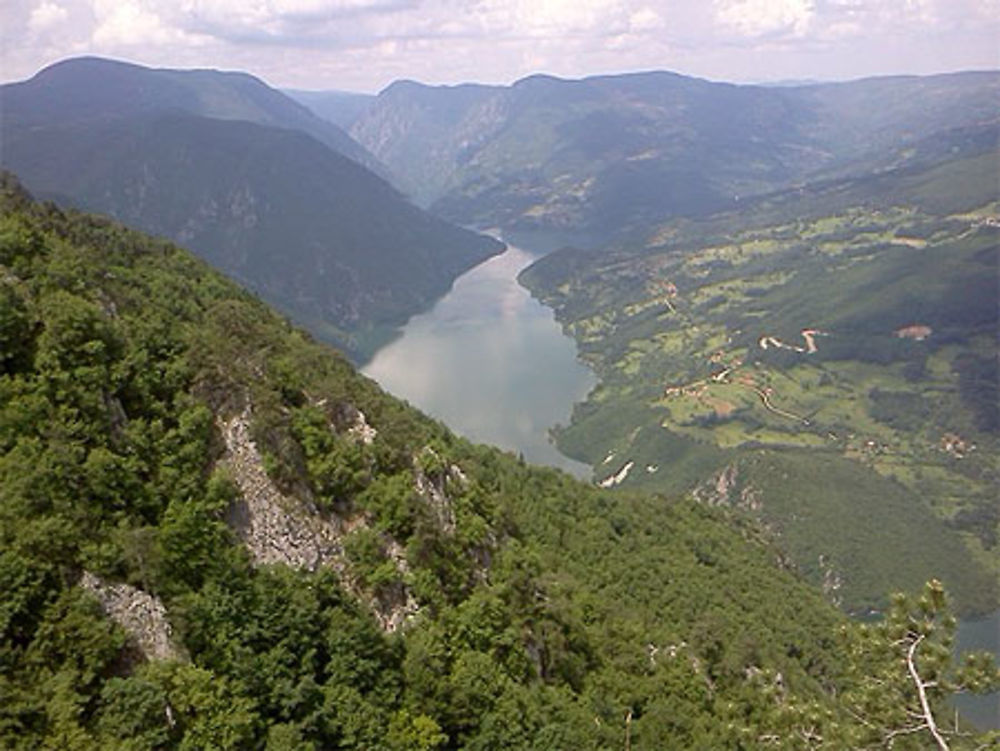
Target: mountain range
(86,89)
(823,359)
(600,155)
(214,533)
(270,193)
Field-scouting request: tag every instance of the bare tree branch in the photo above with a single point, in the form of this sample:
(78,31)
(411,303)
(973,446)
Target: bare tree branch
(922,694)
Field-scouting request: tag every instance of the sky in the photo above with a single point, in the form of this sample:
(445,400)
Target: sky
(363,45)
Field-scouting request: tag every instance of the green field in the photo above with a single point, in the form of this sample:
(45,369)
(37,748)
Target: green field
(855,349)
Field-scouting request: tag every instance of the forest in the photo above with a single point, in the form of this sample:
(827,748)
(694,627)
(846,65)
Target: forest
(449,596)
(826,356)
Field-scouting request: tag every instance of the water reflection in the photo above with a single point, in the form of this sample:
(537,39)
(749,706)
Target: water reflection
(491,362)
(976,634)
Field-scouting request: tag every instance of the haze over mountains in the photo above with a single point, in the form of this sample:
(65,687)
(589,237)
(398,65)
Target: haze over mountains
(341,108)
(93,88)
(254,182)
(281,199)
(605,153)
(788,295)
(816,179)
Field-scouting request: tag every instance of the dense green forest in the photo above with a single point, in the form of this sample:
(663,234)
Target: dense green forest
(214,534)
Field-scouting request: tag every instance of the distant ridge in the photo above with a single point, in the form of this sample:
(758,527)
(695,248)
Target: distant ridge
(609,154)
(67,89)
(245,177)
(341,108)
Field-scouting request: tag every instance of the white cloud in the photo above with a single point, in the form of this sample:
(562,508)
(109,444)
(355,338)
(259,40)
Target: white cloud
(754,18)
(921,10)
(366,43)
(47,16)
(497,20)
(285,21)
(646,19)
(131,23)
(900,13)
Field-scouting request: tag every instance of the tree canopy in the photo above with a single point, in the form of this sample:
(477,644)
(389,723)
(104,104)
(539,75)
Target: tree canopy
(546,613)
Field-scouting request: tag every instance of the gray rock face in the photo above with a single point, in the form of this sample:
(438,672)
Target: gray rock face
(142,616)
(277,528)
(273,526)
(433,491)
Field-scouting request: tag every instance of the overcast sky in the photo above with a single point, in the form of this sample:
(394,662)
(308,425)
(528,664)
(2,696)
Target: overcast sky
(363,45)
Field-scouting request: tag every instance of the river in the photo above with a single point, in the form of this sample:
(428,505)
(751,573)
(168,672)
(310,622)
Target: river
(491,362)
(978,634)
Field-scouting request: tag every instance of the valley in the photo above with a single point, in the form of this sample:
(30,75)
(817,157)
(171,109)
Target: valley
(835,374)
(491,363)
(265,190)
(750,330)
(799,344)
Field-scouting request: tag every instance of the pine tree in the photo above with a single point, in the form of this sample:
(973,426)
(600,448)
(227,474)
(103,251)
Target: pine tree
(903,672)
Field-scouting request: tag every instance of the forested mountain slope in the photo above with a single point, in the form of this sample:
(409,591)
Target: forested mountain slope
(311,231)
(214,533)
(85,89)
(606,153)
(824,359)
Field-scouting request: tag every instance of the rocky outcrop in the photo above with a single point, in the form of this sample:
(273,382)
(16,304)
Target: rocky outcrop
(833,581)
(142,616)
(716,492)
(724,490)
(432,487)
(750,499)
(360,430)
(277,528)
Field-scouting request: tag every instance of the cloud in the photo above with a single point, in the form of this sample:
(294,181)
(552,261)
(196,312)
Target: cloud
(646,19)
(47,16)
(128,23)
(558,17)
(822,21)
(291,22)
(885,15)
(497,21)
(755,18)
(367,43)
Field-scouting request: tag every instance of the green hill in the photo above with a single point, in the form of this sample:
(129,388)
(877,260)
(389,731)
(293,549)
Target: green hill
(311,231)
(87,89)
(823,359)
(215,534)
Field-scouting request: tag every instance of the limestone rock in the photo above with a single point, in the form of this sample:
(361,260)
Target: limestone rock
(142,616)
(274,527)
(277,528)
